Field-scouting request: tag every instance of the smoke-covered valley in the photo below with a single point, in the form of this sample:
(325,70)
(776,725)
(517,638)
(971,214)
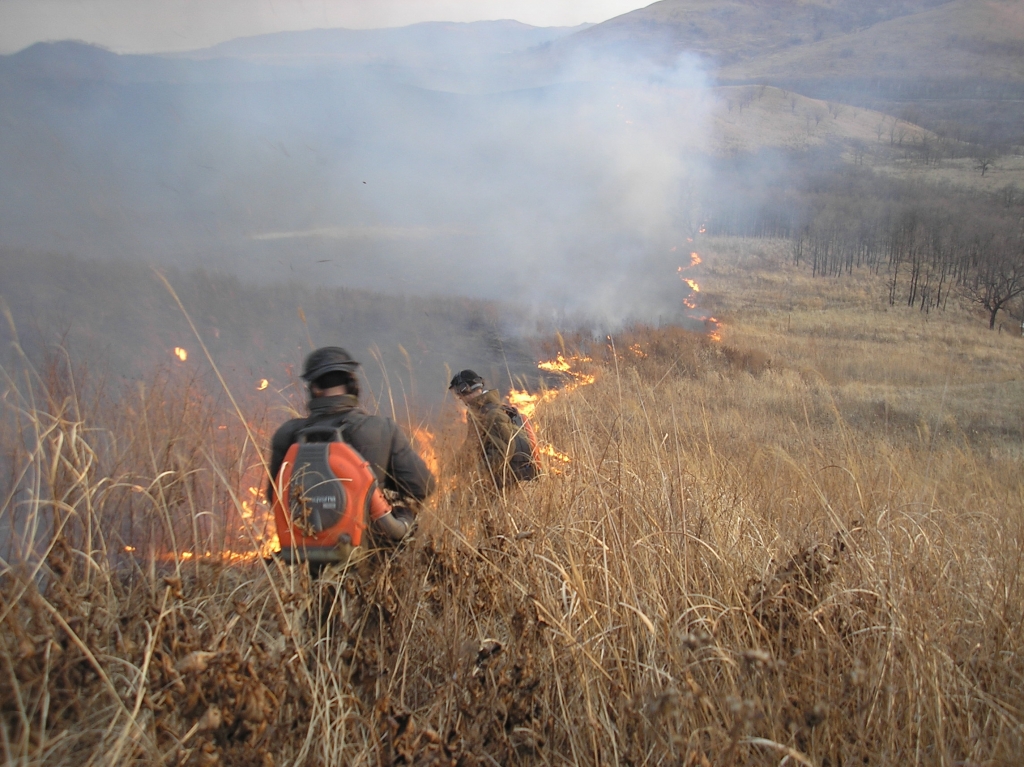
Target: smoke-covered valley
(565,197)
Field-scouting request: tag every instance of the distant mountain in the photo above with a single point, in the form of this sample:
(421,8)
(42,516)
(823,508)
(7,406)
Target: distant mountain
(957,68)
(69,61)
(954,65)
(727,31)
(979,40)
(415,43)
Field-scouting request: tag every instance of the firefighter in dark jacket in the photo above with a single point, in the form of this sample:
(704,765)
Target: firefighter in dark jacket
(334,401)
(490,434)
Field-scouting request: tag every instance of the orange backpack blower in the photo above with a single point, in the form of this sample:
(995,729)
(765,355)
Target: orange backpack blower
(326,497)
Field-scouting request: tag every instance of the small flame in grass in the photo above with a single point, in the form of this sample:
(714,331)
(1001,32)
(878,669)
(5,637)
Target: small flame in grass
(129,548)
(527,403)
(638,351)
(552,452)
(228,557)
(423,439)
(181,354)
(263,384)
(560,364)
(712,325)
(690,302)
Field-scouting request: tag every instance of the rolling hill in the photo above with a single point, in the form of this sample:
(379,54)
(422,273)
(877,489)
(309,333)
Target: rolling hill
(955,66)
(737,30)
(408,45)
(963,40)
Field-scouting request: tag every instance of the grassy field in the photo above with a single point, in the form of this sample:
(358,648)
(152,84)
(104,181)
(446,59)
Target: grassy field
(800,545)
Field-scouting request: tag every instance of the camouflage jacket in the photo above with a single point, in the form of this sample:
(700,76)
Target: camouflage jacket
(491,436)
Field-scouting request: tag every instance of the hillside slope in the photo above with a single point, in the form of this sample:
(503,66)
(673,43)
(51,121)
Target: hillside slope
(737,30)
(953,66)
(750,118)
(963,40)
(426,40)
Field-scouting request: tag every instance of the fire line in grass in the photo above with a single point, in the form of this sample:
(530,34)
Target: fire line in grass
(255,537)
(711,324)
(527,403)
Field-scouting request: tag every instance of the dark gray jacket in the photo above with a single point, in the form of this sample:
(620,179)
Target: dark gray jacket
(377,438)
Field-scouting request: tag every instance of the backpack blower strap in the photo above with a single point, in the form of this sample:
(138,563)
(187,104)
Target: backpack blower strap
(323,433)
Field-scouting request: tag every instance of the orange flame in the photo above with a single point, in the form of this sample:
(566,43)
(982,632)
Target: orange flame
(527,403)
(228,557)
(713,326)
(549,450)
(180,353)
(423,439)
(710,323)
(562,365)
(263,384)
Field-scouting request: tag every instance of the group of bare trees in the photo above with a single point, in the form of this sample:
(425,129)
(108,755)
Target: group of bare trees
(931,243)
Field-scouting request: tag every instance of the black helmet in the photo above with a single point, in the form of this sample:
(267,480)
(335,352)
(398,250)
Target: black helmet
(327,359)
(466,381)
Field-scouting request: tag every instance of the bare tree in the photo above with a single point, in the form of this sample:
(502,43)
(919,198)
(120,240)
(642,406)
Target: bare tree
(858,148)
(983,163)
(998,278)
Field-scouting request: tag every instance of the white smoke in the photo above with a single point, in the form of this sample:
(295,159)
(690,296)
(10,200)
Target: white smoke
(556,180)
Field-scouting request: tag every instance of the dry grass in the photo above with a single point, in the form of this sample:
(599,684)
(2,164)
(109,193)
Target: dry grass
(750,118)
(736,568)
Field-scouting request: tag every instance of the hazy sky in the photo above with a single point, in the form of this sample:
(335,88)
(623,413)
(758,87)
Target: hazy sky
(164,25)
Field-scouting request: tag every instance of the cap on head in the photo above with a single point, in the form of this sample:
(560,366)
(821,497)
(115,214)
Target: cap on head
(327,359)
(466,381)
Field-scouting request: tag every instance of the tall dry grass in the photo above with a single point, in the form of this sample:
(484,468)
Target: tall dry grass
(738,567)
